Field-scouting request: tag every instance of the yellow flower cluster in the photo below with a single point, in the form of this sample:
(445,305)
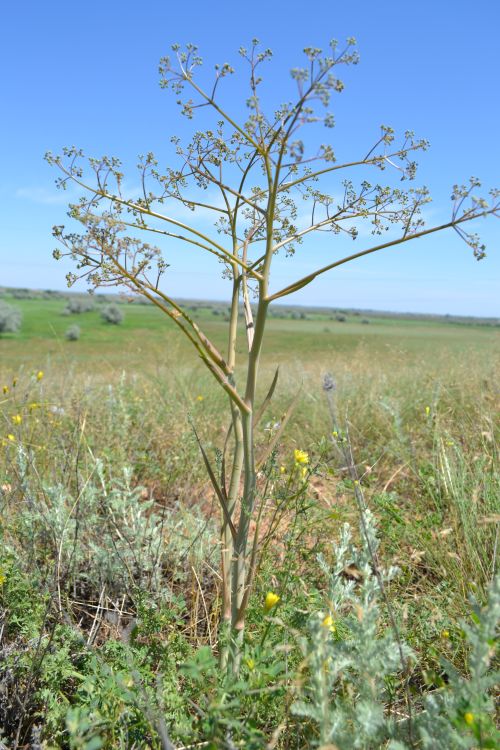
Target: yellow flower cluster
(301,457)
(329,624)
(270,601)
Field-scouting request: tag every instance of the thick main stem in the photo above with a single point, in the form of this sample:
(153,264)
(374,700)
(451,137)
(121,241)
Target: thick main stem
(234,482)
(241,576)
(240,573)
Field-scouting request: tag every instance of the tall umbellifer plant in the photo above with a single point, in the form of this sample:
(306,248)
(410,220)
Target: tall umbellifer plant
(260,167)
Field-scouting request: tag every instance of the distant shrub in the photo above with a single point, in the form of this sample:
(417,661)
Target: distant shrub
(10,318)
(112,314)
(78,305)
(22,294)
(365,321)
(340,318)
(52,294)
(73,333)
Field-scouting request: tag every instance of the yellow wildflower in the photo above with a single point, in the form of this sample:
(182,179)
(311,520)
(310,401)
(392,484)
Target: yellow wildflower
(17,419)
(199,398)
(250,664)
(329,624)
(11,438)
(282,470)
(3,577)
(445,634)
(33,406)
(39,375)
(469,718)
(270,601)
(427,411)
(5,389)
(14,382)
(301,457)
(303,472)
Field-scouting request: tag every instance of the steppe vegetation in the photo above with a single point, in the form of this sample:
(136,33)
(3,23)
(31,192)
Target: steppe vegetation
(280,529)
(110,589)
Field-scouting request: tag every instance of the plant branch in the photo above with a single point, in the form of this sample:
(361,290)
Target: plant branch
(405,238)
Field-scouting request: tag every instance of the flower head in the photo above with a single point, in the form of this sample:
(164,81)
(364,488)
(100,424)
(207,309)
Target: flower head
(17,419)
(39,375)
(329,624)
(301,457)
(270,601)
(469,718)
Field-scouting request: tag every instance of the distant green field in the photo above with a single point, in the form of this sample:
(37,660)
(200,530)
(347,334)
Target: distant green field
(146,336)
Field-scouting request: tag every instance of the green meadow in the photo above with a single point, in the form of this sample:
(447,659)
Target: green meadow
(145,333)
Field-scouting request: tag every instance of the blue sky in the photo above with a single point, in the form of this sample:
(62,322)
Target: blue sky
(87,75)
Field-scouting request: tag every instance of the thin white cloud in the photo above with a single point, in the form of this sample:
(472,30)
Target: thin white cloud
(43,196)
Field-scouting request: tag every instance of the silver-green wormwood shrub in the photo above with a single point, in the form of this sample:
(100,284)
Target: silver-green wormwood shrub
(112,314)
(10,318)
(345,686)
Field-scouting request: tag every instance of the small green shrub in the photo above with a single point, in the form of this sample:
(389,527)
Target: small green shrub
(73,333)
(112,314)
(10,318)
(79,305)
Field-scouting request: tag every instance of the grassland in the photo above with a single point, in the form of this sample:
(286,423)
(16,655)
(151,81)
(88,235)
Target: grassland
(108,520)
